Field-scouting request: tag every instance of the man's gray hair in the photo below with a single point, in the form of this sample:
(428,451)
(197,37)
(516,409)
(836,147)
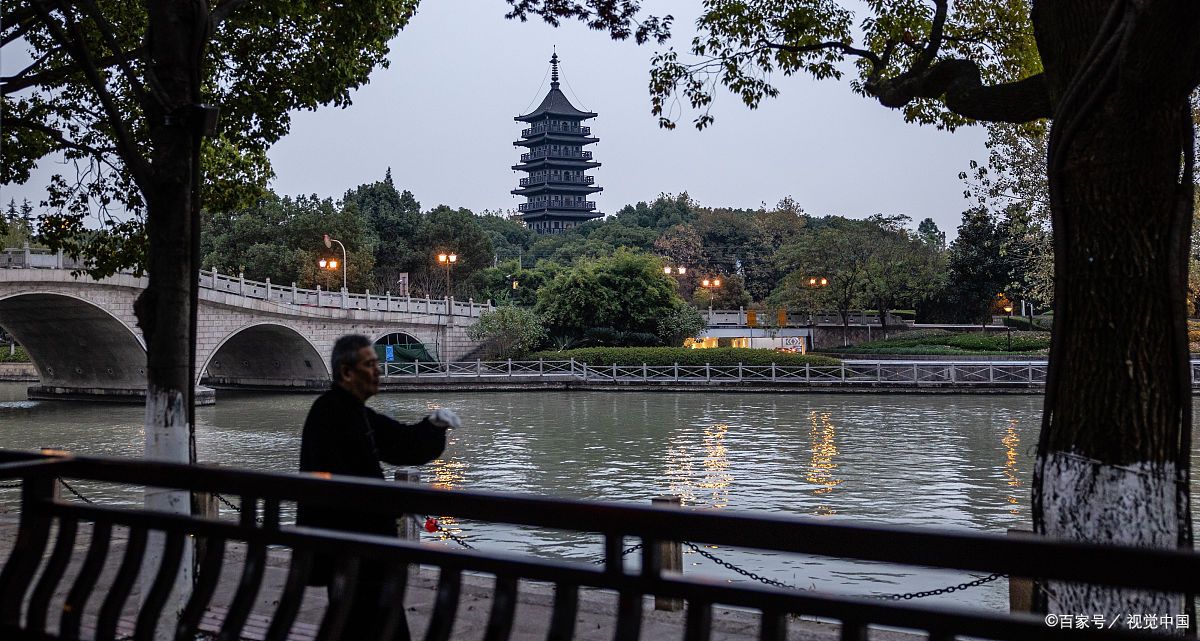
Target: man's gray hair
(345,353)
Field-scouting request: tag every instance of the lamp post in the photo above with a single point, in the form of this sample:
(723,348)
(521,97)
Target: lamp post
(1008,309)
(448,260)
(333,263)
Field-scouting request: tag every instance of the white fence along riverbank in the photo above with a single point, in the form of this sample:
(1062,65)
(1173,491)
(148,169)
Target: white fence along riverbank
(900,373)
(856,372)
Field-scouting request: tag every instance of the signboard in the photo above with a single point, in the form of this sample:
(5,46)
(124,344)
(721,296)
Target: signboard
(390,354)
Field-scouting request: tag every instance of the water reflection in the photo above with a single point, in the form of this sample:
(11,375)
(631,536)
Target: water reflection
(709,487)
(821,468)
(1011,471)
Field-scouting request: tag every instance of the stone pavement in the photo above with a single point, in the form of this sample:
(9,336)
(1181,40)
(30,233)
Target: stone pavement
(595,619)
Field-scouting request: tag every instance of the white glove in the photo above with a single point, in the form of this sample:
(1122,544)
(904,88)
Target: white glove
(443,417)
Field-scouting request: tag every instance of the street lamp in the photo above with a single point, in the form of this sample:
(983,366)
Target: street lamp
(681,270)
(818,281)
(1008,309)
(333,264)
(448,260)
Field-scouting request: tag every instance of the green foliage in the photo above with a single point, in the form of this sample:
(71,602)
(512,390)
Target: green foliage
(626,291)
(393,218)
(949,343)
(513,330)
(682,322)
(281,239)
(19,355)
(598,356)
(259,61)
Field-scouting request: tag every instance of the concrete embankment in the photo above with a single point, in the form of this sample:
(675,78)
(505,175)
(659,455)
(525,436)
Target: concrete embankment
(595,619)
(18,372)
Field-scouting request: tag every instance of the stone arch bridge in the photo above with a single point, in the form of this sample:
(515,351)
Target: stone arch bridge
(83,338)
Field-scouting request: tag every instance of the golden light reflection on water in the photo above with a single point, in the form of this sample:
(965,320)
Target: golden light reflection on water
(448,474)
(822,468)
(709,487)
(1011,471)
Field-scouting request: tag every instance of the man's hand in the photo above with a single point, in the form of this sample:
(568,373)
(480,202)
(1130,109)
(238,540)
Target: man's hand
(443,417)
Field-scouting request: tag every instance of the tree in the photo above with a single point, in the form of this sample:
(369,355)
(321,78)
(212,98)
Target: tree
(626,291)
(447,230)
(680,323)
(393,218)
(978,270)
(901,269)
(929,233)
(513,330)
(124,90)
(1115,77)
(839,253)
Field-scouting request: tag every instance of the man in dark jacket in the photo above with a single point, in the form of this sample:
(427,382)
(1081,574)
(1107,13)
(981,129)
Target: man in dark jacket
(344,436)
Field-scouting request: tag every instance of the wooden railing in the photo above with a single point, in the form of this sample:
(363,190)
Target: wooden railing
(46,546)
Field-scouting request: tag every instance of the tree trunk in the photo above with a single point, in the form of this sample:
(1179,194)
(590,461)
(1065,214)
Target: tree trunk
(176,34)
(1113,457)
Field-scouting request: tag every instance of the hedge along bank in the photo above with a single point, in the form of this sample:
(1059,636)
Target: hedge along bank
(595,356)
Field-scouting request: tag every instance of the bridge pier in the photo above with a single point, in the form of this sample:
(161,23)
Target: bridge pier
(204,395)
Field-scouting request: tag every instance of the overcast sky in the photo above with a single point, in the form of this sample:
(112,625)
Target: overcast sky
(441,118)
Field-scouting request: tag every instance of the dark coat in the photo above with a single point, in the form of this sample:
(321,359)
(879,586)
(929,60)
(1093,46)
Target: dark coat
(344,436)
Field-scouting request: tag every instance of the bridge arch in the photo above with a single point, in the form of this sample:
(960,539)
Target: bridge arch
(75,343)
(407,346)
(269,354)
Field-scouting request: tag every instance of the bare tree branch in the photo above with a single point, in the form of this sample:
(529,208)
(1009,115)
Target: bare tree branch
(875,60)
(961,85)
(99,153)
(16,82)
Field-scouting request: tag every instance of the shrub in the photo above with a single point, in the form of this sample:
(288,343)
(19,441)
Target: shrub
(19,355)
(684,356)
(512,330)
(949,343)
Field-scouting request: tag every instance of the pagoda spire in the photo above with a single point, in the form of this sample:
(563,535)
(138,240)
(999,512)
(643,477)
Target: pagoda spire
(554,71)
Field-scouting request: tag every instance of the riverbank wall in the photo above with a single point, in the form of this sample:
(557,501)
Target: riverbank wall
(561,384)
(18,372)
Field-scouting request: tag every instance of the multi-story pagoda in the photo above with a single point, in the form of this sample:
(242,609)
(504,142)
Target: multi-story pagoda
(557,189)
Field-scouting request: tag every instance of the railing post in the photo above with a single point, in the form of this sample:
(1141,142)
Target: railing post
(293,292)
(739,376)
(670,554)
(676,372)
(808,372)
(1029,372)
(318,295)
(708,372)
(991,372)
(843,371)
(387,301)
(410,529)
(214,277)
(914,373)
(645,375)
(241,283)
(510,368)
(772,371)
(953,377)
(478,368)
(585,372)
(541,368)
(614,366)
(343,298)
(878,372)
(368,300)
(572,366)
(268,297)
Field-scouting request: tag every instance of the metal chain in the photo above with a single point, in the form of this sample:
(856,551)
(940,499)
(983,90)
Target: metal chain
(72,491)
(227,503)
(450,535)
(947,590)
(9,486)
(745,573)
(624,553)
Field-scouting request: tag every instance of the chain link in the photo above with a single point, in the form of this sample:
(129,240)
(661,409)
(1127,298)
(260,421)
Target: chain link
(624,553)
(227,503)
(450,535)
(947,590)
(745,573)
(72,491)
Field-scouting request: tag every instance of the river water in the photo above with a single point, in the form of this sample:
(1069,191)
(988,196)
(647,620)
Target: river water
(946,461)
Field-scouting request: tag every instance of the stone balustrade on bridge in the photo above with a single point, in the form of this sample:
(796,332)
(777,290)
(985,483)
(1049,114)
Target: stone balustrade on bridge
(83,338)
